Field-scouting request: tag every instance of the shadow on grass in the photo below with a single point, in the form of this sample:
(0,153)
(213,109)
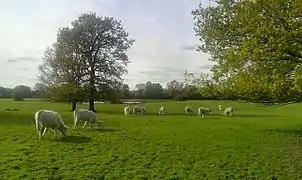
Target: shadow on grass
(209,117)
(75,139)
(294,131)
(275,104)
(256,115)
(167,114)
(102,130)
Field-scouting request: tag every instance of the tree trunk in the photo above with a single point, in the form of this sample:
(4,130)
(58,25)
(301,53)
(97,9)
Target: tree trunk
(91,104)
(73,105)
(91,89)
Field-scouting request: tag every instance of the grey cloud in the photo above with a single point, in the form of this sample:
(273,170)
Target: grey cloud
(27,78)
(189,47)
(206,66)
(164,74)
(160,71)
(164,69)
(25,68)
(18,59)
(12,60)
(32,79)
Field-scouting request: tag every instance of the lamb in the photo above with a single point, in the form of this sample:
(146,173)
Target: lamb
(47,119)
(162,111)
(86,116)
(228,111)
(126,111)
(188,110)
(219,107)
(138,110)
(203,111)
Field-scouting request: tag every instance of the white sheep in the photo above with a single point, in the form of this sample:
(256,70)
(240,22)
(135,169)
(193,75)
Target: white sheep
(202,111)
(228,111)
(219,107)
(87,116)
(47,119)
(126,111)
(162,111)
(188,110)
(138,110)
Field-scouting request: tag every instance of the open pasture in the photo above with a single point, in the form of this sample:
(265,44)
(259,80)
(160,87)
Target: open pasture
(256,143)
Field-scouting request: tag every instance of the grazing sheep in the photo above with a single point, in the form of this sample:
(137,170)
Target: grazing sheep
(228,111)
(203,111)
(126,111)
(47,119)
(86,116)
(138,110)
(188,110)
(219,107)
(162,111)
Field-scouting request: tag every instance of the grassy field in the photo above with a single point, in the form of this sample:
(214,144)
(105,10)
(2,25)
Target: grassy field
(256,143)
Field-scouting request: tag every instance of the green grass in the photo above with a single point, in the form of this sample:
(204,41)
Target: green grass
(256,143)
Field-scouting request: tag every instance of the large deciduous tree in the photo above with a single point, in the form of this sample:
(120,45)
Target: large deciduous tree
(256,43)
(21,91)
(103,43)
(88,56)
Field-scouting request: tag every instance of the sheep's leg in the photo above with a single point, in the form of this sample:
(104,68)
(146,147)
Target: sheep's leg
(42,132)
(231,114)
(54,133)
(75,123)
(85,124)
(203,115)
(89,125)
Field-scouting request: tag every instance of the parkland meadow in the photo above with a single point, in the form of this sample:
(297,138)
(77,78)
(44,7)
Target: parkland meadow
(256,143)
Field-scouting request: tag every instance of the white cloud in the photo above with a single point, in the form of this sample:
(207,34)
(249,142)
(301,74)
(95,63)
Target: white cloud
(28,27)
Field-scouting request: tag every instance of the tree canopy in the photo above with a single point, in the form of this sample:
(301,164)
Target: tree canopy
(86,57)
(256,45)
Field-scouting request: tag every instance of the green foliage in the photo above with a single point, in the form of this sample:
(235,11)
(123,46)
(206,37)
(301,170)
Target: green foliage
(149,90)
(20,92)
(256,45)
(256,143)
(174,89)
(125,91)
(5,92)
(91,54)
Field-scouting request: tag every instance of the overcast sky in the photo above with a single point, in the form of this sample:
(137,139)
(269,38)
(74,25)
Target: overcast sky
(163,30)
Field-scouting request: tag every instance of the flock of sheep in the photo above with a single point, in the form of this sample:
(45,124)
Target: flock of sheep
(201,112)
(48,119)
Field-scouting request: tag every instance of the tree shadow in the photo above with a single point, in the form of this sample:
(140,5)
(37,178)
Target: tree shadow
(212,117)
(75,139)
(167,114)
(102,130)
(294,131)
(275,104)
(256,115)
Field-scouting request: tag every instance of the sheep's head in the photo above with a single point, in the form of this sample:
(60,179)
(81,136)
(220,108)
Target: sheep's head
(63,129)
(99,124)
